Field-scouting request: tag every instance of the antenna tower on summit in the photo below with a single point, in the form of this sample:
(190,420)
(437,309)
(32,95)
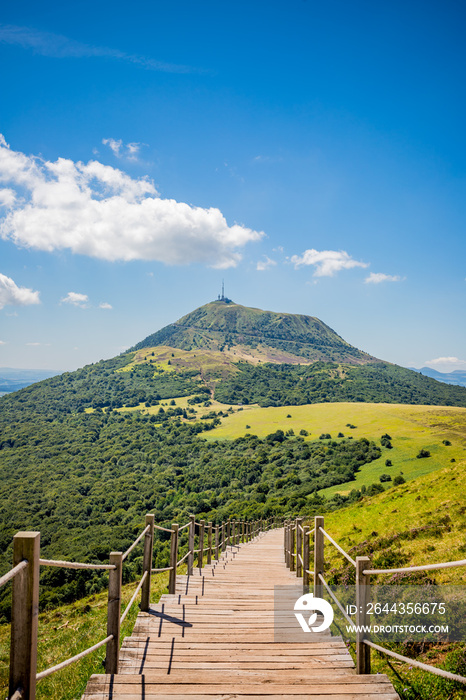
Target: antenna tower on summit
(222,298)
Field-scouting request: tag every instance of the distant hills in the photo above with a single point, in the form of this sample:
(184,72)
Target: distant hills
(458,377)
(15,379)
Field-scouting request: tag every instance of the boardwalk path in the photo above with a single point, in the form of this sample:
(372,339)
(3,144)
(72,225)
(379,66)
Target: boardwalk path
(214,639)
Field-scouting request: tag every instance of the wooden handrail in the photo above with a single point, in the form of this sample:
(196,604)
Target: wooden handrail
(293,556)
(25,601)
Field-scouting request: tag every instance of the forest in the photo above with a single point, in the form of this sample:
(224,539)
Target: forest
(86,480)
(287,385)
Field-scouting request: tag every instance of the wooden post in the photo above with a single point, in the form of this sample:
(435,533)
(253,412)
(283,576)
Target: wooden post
(292,546)
(217,542)
(285,543)
(113,612)
(318,555)
(147,562)
(209,544)
(173,558)
(299,547)
(243,531)
(200,557)
(24,615)
(224,536)
(305,558)
(363,598)
(233,532)
(228,533)
(192,532)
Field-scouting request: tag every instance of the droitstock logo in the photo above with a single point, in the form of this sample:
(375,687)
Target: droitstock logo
(307,603)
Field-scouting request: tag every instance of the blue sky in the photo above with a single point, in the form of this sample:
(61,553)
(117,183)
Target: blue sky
(311,154)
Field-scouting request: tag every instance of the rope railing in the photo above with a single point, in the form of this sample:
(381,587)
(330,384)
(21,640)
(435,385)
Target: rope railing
(412,662)
(136,542)
(178,563)
(133,598)
(296,549)
(164,529)
(26,559)
(333,596)
(424,567)
(340,549)
(75,565)
(68,662)
(12,572)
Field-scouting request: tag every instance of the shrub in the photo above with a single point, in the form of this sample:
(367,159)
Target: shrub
(398,480)
(340,435)
(446,442)
(423,453)
(374,489)
(303,432)
(325,436)
(350,425)
(385,477)
(388,463)
(385,441)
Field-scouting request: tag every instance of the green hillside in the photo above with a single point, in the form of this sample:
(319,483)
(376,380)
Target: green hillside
(224,325)
(84,455)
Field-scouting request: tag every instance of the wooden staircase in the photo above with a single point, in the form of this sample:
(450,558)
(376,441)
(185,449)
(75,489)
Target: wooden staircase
(214,639)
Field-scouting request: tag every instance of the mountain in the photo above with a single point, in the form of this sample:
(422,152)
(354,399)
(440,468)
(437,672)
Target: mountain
(83,455)
(255,335)
(237,355)
(458,377)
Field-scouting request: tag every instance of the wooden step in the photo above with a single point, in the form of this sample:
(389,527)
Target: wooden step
(214,639)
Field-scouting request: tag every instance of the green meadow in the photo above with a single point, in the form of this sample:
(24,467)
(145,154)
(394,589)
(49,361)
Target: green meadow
(411,428)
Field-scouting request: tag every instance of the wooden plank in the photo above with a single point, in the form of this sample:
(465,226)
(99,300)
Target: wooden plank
(214,638)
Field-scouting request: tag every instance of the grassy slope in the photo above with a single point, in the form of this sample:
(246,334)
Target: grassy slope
(412,505)
(394,516)
(411,428)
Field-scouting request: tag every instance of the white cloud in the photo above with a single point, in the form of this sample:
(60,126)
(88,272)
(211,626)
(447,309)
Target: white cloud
(11,294)
(326,262)
(38,345)
(446,361)
(96,210)
(129,151)
(2,342)
(59,46)
(76,299)
(7,197)
(105,305)
(378,277)
(265,264)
